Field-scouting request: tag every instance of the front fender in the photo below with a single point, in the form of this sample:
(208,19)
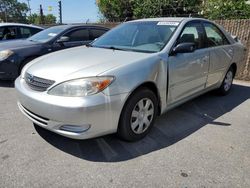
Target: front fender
(132,75)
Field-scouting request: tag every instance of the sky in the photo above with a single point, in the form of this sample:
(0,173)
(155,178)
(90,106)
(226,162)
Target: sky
(73,11)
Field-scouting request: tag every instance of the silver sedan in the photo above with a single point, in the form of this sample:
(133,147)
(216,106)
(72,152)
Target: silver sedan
(124,79)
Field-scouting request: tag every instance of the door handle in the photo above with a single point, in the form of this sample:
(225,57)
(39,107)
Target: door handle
(230,52)
(205,59)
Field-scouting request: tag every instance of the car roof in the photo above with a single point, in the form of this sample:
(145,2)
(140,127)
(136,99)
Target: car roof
(20,24)
(168,19)
(69,26)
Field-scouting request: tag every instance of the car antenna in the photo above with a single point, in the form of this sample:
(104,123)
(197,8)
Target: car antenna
(125,19)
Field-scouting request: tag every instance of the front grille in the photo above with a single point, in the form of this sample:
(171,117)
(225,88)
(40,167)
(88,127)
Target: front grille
(36,83)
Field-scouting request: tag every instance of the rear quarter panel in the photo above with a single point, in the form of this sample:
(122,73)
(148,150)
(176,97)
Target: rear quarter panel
(240,55)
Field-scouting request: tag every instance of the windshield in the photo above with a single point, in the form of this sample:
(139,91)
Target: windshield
(148,37)
(47,34)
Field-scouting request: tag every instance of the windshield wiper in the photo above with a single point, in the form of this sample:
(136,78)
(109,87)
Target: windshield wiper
(121,49)
(107,47)
(114,48)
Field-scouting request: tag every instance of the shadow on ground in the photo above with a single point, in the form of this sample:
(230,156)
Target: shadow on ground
(6,83)
(170,128)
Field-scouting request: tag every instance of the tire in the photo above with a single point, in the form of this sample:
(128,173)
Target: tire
(227,82)
(138,115)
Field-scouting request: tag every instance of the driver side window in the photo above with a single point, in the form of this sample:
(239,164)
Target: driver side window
(191,34)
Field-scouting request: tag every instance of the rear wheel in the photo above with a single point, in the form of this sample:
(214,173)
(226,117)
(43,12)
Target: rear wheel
(138,115)
(227,82)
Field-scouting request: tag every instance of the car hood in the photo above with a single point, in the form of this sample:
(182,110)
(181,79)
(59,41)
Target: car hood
(16,44)
(80,62)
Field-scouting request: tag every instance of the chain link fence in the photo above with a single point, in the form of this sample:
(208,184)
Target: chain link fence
(241,29)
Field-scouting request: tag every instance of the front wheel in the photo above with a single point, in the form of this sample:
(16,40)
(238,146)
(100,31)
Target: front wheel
(227,82)
(138,115)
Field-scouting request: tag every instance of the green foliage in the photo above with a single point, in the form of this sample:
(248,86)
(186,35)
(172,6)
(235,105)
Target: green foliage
(13,11)
(226,9)
(118,10)
(50,19)
(164,8)
(36,19)
(115,10)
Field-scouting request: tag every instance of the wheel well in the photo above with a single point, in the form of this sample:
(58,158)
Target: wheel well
(151,86)
(25,61)
(234,67)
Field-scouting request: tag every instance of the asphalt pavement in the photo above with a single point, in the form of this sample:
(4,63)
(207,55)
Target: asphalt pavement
(202,143)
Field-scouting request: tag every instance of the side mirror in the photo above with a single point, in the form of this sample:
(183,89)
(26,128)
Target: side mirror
(186,47)
(235,38)
(63,39)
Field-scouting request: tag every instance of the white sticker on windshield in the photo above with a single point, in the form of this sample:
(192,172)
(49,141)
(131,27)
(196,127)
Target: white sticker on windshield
(168,23)
(52,34)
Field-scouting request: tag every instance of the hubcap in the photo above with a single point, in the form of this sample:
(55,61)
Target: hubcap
(142,116)
(228,81)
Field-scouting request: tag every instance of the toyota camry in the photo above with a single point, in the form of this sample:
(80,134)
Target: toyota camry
(124,79)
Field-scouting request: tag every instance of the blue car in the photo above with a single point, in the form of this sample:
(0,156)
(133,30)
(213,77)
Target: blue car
(15,54)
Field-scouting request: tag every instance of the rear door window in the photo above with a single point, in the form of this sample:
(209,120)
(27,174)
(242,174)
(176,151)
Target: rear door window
(96,33)
(214,36)
(9,33)
(34,30)
(78,35)
(25,32)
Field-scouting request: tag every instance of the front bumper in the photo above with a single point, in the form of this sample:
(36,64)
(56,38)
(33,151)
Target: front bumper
(74,117)
(8,69)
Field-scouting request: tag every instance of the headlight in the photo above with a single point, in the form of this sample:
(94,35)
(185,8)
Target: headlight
(5,54)
(81,87)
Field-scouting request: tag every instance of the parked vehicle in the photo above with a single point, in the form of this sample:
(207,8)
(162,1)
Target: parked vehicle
(127,77)
(15,54)
(12,31)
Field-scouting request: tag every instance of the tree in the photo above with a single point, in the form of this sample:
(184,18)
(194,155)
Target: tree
(118,10)
(115,10)
(36,19)
(13,11)
(226,9)
(50,19)
(164,8)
